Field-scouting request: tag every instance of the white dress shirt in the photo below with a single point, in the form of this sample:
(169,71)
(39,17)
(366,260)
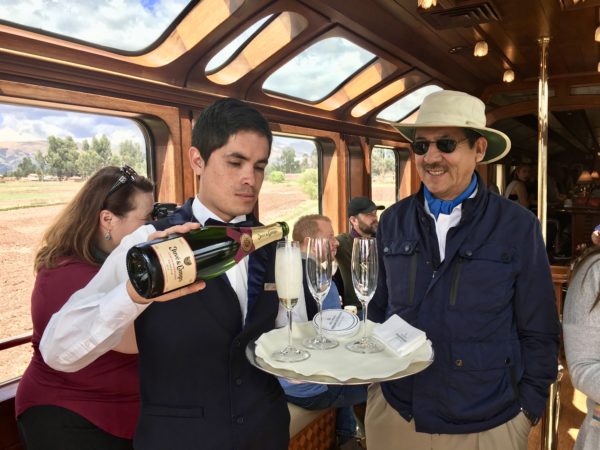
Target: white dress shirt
(444,222)
(95,318)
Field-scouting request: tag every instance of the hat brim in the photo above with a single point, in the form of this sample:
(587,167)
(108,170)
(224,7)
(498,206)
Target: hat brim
(498,142)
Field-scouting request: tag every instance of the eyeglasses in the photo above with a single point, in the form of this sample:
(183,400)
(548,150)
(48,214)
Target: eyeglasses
(421,146)
(127,175)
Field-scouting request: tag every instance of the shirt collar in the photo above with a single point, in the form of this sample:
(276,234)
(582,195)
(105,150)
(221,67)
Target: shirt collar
(202,213)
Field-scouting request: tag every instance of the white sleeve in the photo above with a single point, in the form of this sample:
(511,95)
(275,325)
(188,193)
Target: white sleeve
(94,319)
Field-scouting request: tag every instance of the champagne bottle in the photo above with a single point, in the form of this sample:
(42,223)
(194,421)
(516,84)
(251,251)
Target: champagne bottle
(162,265)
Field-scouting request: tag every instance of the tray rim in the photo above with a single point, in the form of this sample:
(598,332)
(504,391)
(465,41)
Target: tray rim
(412,369)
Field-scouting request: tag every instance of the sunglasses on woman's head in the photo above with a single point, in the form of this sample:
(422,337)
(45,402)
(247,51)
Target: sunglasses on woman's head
(420,146)
(126,175)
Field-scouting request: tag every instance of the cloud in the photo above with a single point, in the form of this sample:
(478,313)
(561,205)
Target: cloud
(22,124)
(304,77)
(122,24)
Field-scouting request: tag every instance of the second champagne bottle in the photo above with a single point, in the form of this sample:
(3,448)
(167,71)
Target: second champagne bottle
(163,265)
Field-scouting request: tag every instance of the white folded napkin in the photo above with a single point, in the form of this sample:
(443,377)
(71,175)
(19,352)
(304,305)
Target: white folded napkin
(399,335)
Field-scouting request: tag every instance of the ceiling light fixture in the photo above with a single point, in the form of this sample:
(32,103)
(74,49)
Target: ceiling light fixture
(597,34)
(599,67)
(426,4)
(509,76)
(481,49)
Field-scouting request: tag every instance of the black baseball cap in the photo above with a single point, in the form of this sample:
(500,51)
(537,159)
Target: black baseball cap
(362,205)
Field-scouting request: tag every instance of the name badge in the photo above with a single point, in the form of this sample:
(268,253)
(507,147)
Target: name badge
(270,287)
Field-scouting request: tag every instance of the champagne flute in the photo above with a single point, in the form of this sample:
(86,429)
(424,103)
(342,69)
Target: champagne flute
(365,267)
(319,264)
(288,278)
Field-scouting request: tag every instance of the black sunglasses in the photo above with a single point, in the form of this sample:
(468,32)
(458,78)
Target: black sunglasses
(127,175)
(420,146)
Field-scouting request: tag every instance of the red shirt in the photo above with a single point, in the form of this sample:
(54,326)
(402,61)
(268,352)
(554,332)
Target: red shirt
(107,391)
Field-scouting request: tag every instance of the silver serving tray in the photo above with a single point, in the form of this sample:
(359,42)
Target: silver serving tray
(259,363)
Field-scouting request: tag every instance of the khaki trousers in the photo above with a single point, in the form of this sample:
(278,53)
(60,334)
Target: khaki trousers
(387,430)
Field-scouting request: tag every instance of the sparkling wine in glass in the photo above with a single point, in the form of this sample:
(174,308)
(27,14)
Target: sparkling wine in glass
(365,267)
(288,278)
(319,266)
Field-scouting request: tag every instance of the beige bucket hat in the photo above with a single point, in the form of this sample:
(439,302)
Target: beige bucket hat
(456,109)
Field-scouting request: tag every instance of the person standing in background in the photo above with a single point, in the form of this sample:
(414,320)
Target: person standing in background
(362,216)
(97,407)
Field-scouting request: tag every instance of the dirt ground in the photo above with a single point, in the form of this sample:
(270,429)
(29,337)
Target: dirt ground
(20,233)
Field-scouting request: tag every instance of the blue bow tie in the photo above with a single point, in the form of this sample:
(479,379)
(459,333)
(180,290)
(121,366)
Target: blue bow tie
(217,223)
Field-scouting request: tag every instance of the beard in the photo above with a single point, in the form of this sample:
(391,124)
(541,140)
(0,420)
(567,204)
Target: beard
(366,229)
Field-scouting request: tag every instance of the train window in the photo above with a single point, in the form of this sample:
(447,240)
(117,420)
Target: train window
(384,175)
(230,49)
(129,26)
(45,155)
(291,186)
(371,75)
(400,109)
(388,92)
(254,46)
(303,77)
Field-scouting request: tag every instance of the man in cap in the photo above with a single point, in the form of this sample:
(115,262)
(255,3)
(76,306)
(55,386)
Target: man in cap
(362,215)
(470,269)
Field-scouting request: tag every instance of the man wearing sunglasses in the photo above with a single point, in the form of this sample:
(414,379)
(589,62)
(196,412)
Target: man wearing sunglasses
(470,269)
(198,390)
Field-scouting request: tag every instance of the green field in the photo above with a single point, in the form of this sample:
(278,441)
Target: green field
(25,194)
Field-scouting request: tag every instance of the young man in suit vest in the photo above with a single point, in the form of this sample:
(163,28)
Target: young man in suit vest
(198,391)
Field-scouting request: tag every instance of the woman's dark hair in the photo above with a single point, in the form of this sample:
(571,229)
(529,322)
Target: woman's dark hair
(75,230)
(224,118)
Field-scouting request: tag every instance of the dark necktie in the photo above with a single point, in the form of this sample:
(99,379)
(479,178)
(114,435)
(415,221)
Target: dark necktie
(217,223)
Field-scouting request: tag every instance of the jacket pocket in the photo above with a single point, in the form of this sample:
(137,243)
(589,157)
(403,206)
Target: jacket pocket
(480,380)
(482,279)
(401,263)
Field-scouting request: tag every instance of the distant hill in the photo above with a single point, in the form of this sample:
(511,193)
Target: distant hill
(12,153)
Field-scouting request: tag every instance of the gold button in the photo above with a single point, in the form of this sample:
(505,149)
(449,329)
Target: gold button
(459,362)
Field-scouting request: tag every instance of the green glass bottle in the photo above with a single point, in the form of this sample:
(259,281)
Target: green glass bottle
(163,265)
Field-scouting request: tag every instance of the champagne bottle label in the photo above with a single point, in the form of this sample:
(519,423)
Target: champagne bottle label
(177,263)
(251,239)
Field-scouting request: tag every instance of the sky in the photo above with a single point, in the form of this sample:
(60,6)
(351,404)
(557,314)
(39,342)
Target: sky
(24,123)
(122,24)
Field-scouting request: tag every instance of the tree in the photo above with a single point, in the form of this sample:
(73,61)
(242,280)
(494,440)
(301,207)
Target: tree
(309,182)
(41,162)
(276,177)
(102,148)
(131,154)
(287,161)
(25,167)
(89,162)
(62,156)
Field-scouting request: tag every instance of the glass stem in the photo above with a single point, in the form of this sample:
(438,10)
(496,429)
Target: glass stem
(365,305)
(289,314)
(320,307)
